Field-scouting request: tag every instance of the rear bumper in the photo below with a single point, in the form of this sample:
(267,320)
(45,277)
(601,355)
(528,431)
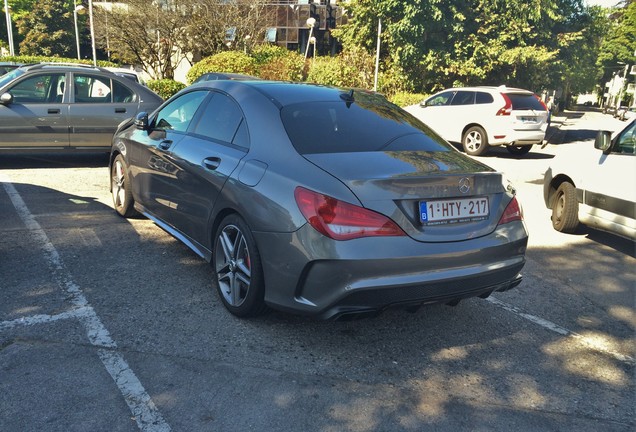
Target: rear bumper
(518,137)
(316,276)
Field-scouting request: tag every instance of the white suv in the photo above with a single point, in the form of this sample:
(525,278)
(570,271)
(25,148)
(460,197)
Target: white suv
(479,117)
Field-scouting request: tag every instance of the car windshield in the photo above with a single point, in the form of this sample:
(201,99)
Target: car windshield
(10,76)
(369,124)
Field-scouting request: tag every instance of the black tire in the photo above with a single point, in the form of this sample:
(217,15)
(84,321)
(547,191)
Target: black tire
(519,150)
(475,141)
(237,268)
(565,209)
(120,188)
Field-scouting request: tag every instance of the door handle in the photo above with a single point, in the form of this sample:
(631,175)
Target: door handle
(120,110)
(212,163)
(165,145)
(53,111)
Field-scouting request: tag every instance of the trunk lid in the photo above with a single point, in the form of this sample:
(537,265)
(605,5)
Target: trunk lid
(398,183)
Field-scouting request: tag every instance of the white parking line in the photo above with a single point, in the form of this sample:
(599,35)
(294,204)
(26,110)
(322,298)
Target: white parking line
(590,343)
(146,414)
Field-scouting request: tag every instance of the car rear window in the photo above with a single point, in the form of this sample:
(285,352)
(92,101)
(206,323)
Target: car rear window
(525,102)
(369,124)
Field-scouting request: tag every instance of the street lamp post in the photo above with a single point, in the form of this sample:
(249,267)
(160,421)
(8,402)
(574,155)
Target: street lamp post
(77,9)
(311,22)
(9,27)
(90,18)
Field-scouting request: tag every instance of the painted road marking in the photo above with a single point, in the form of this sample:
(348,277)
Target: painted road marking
(590,343)
(146,414)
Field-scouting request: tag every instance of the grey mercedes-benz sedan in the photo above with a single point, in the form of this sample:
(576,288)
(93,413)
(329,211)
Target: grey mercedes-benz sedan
(318,200)
(50,107)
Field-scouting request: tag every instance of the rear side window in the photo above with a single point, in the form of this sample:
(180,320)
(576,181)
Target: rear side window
(369,124)
(91,89)
(464,97)
(221,120)
(525,102)
(483,98)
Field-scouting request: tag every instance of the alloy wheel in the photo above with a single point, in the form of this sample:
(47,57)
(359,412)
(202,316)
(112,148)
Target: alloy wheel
(233,265)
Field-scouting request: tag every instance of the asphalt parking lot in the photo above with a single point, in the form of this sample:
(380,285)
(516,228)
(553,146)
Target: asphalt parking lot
(109,324)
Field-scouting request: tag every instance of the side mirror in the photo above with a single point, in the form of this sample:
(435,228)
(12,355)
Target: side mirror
(603,141)
(423,104)
(141,121)
(6,99)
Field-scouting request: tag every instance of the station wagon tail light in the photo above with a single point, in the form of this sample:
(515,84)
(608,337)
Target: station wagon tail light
(340,220)
(513,212)
(545,107)
(505,110)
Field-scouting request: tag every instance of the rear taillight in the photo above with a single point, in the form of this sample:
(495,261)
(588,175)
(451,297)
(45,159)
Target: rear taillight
(340,220)
(545,107)
(505,110)
(512,213)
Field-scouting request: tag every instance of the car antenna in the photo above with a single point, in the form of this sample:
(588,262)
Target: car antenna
(348,97)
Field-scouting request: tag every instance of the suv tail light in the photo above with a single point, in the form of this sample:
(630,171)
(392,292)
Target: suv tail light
(340,220)
(545,107)
(513,212)
(505,110)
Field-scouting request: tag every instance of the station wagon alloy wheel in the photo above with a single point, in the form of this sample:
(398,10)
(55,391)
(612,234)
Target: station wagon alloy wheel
(475,141)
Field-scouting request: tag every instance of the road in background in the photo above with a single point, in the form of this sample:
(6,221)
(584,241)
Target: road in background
(109,324)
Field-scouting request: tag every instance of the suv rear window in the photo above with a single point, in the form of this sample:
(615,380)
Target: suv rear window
(525,102)
(368,124)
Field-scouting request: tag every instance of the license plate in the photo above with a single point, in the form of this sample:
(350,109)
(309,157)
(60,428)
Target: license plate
(528,119)
(451,211)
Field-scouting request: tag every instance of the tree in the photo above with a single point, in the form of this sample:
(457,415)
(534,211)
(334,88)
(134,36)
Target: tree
(619,47)
(48,29)
(161,35)
(441,43)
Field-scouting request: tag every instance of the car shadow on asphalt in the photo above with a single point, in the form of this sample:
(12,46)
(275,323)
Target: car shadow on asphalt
(53,160)
(614,241)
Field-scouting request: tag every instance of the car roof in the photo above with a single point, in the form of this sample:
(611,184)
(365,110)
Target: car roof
(65,66)
(75,67)
(284,93)
(499,89)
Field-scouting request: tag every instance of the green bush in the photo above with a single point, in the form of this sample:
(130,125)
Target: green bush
(227,61)
(290,67)
(405,99)
(165,87)
(353,68)
(264,54)
(40,59)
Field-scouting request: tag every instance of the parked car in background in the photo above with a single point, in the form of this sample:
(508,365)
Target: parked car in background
(126,73)
(483,117)
(316,200)
(595,183)
(48,107)
(6,67)
(214,76)
(626,113)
